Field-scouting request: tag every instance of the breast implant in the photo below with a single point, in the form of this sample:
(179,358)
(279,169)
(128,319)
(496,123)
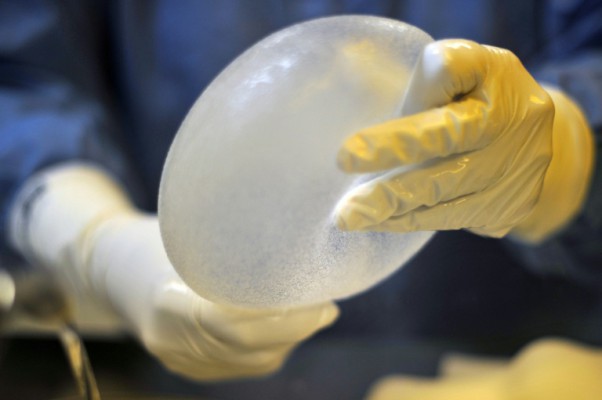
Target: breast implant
(251,182)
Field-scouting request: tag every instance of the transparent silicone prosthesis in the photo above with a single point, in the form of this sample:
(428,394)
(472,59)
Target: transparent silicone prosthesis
(251,181)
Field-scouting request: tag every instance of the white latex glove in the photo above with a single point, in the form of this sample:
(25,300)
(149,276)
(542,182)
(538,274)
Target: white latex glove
(483,146)
(76,220)
(545,370)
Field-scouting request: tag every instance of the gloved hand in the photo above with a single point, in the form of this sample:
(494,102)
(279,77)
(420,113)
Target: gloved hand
(77,221)
(545,370)
(482,146)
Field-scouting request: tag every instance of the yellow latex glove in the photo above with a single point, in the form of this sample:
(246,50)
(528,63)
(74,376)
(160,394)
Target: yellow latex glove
(482,146)
(545,370)
(77,221)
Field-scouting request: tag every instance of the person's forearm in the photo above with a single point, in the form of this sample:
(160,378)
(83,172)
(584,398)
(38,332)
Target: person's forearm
(53,220)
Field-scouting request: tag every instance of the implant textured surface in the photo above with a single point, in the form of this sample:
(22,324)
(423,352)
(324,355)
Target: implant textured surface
(251,182)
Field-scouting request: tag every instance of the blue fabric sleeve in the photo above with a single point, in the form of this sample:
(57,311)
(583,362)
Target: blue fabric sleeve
(51,93)
(576,253)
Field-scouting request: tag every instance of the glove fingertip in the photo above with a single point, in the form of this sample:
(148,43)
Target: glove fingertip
(330,314)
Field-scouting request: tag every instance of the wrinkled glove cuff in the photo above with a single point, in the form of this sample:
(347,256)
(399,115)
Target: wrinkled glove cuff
(568,176)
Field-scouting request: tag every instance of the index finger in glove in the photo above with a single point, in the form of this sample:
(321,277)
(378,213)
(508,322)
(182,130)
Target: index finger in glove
(448,82)
(455,128)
